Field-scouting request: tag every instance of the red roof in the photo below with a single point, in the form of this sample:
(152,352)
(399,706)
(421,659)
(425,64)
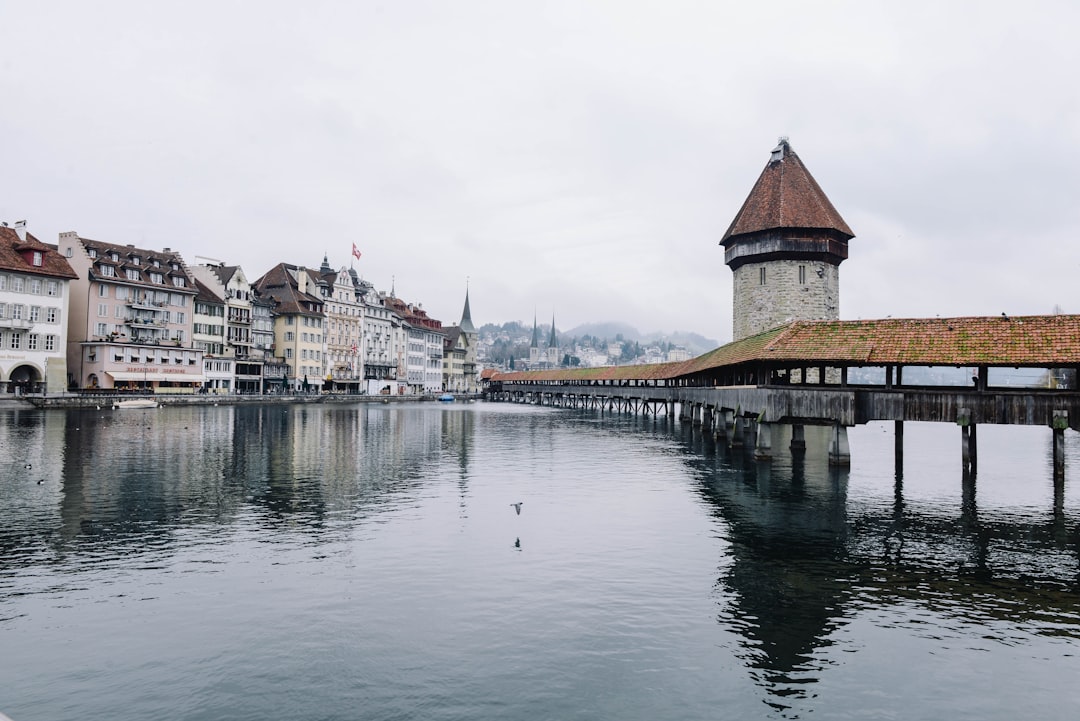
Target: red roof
(17,254)
(786,196)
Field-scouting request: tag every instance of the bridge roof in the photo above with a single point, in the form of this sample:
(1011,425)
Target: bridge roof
(1041,341)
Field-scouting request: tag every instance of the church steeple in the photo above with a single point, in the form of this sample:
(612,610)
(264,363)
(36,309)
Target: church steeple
(466,316)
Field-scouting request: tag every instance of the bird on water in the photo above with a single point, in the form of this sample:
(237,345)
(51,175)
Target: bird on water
(517,507)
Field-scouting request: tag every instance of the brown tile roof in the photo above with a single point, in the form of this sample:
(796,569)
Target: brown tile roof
(17,255)
(1040,340)
(280,284)
(1047,341)
(126,256)
(786,196)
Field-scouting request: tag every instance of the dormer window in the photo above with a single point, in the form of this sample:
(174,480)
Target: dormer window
(115,257)
(108,271)
(156,263)
(178,281)
(157,278)
(136,260)
(36,260)
(133,274)
(92,252)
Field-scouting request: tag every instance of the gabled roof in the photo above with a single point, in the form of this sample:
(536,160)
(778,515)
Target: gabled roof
(786,196)
(16,255)
(281,284)
(206,294)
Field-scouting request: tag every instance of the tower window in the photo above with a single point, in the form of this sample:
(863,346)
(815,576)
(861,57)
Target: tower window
(802,274)
(761,276)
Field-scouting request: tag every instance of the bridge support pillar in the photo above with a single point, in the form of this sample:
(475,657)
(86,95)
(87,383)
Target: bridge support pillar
(738,430)
(706,418)
(839,450)
(1059,423)
(898,448)
(968,441)
(763,444)
(798,438)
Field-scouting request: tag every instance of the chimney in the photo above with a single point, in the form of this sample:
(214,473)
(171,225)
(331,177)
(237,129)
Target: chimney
(20,228)
(301,280)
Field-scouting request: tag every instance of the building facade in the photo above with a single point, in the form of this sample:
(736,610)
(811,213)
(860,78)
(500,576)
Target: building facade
(299,324)
(131,318)
(34,309)
(344,329)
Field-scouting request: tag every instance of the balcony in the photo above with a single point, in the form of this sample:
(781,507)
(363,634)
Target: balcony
(145,305)
(145,322)
(16,323)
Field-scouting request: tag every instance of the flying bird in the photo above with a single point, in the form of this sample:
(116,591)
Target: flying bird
(517,507)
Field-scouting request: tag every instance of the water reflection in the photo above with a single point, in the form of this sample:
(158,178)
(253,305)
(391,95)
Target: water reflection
(805,559)
(643,545)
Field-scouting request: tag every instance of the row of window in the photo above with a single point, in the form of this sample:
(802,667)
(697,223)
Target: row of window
(34,286)
(17,340)
(18,311)
(158,297)
(145,356)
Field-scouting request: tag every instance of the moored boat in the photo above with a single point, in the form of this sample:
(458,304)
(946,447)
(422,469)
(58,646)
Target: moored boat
(136,403)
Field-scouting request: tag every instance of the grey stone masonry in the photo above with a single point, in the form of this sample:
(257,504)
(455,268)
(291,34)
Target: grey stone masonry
(775,292)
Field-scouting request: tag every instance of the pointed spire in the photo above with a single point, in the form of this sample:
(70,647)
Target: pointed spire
(786,196)
(553,342)
(536,333)
(466,315)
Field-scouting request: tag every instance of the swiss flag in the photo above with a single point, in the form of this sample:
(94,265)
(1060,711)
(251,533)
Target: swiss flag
(355,252)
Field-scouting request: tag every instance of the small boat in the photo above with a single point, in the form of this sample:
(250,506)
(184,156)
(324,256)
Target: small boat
(137,403)
(447,398)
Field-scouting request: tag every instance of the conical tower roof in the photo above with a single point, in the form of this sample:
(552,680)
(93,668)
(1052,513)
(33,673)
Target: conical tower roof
(466,316)
(786,196)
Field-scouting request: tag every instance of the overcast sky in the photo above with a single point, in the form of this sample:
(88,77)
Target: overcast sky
(576,159)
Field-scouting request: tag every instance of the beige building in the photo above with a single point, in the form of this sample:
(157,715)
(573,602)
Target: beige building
(299,323)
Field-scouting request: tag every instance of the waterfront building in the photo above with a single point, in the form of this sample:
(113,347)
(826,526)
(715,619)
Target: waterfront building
(34,309)
(344,328)
(208,335)
(377,348)
(460,351)
(784,248)
(229,283)
(420,348)
(275,372)
(299,323)
(131,318)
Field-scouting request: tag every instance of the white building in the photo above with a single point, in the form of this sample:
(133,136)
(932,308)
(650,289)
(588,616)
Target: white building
(34,297)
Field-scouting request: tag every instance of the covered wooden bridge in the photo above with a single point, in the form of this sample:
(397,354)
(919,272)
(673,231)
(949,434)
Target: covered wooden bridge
(967,371)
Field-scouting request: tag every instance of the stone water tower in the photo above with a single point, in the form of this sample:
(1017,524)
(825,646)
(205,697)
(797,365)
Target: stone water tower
(785,247)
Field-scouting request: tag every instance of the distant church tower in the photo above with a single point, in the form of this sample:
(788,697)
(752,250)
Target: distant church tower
(784,248)
(553,346)
(534,347)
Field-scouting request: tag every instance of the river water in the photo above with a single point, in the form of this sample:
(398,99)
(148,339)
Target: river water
(365,562)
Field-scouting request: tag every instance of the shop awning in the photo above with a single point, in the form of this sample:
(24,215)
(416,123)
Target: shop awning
(156,377)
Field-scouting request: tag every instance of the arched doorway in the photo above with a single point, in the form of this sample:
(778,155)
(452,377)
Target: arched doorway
(24,379)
